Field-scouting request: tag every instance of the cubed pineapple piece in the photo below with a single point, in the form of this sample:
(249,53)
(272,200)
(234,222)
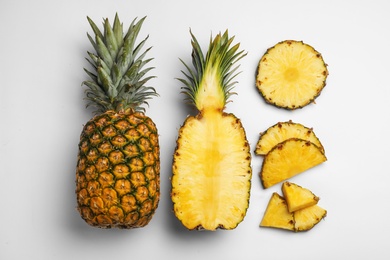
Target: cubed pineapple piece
(307,218)
(283,131)
(277,214)
(291,74)
(288,159)
(298,197)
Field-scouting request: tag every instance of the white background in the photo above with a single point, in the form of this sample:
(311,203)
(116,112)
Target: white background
(43,47)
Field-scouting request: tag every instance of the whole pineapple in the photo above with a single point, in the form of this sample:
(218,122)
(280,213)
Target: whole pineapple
(211,165)
(118,169)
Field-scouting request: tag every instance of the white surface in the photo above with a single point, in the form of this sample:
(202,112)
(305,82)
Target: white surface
(42,50)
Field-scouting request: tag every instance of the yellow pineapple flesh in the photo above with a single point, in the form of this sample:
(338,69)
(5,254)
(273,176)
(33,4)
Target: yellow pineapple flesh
(283,131)
(211,178)
(211,165)
(289,158)
(277,214)
(291,74)
(307,218)
(298,197)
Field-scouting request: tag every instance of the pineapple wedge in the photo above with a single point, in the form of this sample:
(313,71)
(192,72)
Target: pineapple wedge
(291,74)
(298,197)
(307,218)
(288,159)
(277,214)
(283,131)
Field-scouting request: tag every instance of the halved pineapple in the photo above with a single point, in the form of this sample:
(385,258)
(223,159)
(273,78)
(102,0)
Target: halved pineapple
(288,159)
(211,170)
(291,74)
(283,131)
(307,218)
(298,197)
(277,214)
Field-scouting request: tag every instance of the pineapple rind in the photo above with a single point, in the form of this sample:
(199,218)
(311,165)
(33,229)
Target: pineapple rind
(291,74)
(118,171)
(211,173)
(289,158)
(298,197)
(282,131)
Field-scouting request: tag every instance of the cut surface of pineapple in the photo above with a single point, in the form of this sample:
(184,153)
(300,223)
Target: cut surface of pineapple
(277,215)
(288,159)
(298,197)
(211,170)
(291,74)
(282,131)
(211,179)
(307,218)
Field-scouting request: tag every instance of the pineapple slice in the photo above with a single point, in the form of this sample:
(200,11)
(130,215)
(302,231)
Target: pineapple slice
(283,131)
(307,218)
(291,74)
(277,214)
(288,159)
(298,197)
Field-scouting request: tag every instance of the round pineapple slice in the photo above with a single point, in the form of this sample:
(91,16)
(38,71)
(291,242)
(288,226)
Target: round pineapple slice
(283,131)
(291,74)
(288,159)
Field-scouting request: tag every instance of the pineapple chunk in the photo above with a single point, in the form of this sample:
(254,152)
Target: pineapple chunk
(291,74)
(307,218)
(283,131)
(277,214)
(298,197)
(288,159)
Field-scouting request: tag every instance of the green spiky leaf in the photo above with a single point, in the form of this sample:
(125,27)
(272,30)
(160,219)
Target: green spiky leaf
(118,77)
(209,83)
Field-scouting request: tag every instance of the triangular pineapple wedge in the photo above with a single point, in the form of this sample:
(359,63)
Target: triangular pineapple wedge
(298,197)
(283,131)
(307,218)
(288,159)
(277,214)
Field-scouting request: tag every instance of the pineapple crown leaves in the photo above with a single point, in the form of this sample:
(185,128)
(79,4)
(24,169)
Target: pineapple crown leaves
(118,78)
(218,63)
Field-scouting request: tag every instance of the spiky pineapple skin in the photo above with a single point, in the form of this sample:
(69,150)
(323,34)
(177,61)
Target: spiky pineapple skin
(118,170)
